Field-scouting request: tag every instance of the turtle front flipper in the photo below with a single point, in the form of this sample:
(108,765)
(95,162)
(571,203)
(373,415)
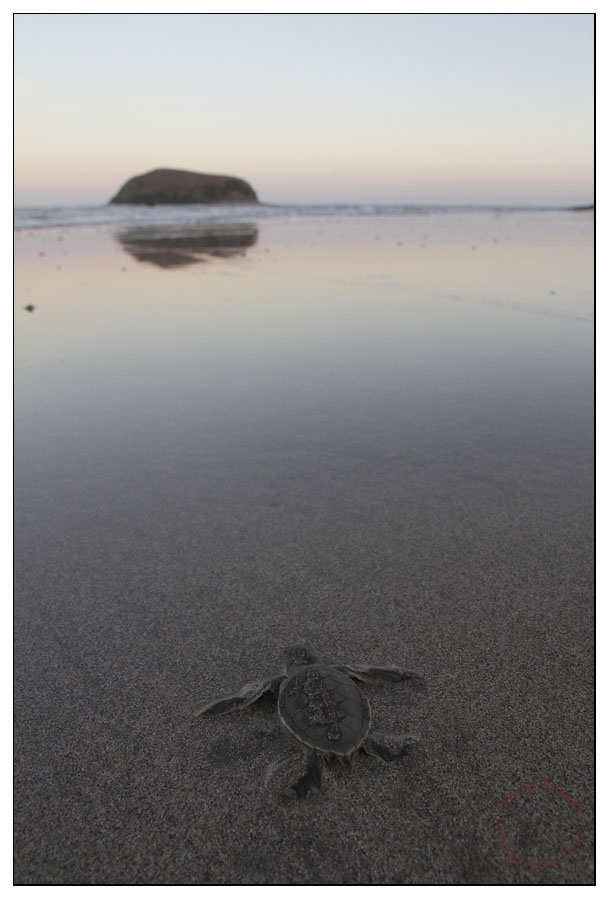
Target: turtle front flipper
(250,693)
(378,674)
(388,746)
(313,774)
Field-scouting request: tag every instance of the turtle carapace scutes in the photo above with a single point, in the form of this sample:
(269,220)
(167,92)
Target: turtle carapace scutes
(323,709)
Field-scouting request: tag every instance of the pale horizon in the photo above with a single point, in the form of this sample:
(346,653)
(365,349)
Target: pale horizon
(437,109)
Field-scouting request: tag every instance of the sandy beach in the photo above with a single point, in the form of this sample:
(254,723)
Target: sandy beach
(372,435)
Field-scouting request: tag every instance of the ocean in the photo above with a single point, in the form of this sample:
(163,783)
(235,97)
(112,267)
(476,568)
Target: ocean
(31,217)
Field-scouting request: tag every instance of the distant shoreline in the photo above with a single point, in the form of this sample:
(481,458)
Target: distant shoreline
(458,207)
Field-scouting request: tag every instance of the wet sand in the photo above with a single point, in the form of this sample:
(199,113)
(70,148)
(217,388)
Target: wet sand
(373,436)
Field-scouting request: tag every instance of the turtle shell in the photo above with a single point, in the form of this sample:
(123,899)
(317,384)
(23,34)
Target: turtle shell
(324,709)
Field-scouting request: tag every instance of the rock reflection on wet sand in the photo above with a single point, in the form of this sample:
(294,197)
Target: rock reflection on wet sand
(176,246)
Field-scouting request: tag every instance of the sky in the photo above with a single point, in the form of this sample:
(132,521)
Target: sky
(309,108)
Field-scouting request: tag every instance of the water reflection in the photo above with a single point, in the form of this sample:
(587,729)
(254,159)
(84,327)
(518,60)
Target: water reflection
(176,246)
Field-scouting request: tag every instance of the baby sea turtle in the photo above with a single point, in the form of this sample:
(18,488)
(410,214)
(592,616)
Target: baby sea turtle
(323,709)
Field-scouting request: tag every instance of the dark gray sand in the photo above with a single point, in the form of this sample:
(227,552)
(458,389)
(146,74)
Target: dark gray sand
(177,525)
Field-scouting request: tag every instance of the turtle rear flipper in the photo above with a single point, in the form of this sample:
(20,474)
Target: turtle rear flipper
(312,777)
(379,674)
(388,746)
(250,693)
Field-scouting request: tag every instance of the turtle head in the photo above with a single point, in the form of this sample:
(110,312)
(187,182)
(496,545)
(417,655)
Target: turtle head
(296,656)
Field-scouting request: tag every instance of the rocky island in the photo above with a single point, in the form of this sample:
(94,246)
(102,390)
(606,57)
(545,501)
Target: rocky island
(179,186)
